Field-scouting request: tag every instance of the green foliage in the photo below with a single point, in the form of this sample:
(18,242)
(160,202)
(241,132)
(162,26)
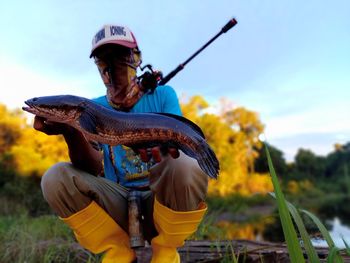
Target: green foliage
(25,191)
(295,252)
(333,255)
(293,245)
(321,227)
(235,203)
(207,229)
(347,247)
(338,161)
(278,160)
(308,165)
(37,240)
(310,250)
(7,172)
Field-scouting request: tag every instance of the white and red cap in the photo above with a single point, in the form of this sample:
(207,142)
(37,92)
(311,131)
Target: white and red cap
(113,34)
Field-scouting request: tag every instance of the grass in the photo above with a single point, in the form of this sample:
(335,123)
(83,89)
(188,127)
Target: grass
(295,251)
(294,247)
(41,239)
(347,247)
(24,238)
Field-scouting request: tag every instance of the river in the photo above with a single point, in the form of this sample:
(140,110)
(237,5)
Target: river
(338,232)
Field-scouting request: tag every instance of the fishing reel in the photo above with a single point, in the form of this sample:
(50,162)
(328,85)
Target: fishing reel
(150,79)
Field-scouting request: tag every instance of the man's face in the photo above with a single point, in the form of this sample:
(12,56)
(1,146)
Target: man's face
(112,63)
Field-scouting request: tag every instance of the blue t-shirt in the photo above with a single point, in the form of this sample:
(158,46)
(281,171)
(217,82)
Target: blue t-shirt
(124,166)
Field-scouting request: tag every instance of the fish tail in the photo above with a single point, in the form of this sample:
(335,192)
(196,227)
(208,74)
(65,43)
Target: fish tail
(206,159)
(208,162)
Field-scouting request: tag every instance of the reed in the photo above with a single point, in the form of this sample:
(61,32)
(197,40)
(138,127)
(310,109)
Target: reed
(286,210)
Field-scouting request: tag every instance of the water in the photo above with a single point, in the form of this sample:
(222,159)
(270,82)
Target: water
(338,232)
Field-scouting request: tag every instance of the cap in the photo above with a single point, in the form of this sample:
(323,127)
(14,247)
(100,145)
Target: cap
(113,34)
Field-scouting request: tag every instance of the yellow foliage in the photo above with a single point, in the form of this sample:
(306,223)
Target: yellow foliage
(233,135)
(227,183)
(193,107)
(34,152)
(295,187)
(235,230)
(31,152)
(259,183)
(10,124)
(306,185)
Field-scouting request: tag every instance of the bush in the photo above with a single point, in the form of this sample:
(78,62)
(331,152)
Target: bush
(40,239)
(22,193)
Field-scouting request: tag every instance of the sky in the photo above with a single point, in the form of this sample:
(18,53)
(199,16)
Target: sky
(289,61)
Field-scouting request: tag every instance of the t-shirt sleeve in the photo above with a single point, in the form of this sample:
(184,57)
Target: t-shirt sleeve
(170,101)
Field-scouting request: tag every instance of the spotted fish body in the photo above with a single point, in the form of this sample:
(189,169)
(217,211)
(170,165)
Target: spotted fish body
(136,130)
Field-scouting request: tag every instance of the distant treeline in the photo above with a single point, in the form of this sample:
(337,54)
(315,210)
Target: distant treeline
(307,165)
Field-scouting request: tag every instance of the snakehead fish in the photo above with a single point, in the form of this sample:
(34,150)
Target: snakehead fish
(135,130)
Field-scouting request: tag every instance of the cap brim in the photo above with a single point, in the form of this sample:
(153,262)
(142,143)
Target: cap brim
(127,44)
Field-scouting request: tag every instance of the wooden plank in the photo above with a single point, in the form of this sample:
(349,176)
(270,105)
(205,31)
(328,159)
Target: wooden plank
(206,251)
(246,250)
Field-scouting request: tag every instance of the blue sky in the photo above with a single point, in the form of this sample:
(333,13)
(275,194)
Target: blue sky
(287,60)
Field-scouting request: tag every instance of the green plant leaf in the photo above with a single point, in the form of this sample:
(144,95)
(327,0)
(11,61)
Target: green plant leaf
(333,255)
(325,235)
(310,250)
(347,246)
(294,249)
(321,227)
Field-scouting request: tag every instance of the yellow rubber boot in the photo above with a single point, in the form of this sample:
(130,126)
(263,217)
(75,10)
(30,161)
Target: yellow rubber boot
(98,232)
(173,228)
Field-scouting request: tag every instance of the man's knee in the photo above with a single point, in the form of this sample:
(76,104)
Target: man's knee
(55,178)
(187,172)
(179,183)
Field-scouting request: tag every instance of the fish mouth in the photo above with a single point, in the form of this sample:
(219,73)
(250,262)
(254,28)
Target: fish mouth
(44,112)
(30,108)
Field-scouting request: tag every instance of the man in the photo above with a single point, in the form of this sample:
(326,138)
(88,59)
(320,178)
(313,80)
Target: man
(90,193)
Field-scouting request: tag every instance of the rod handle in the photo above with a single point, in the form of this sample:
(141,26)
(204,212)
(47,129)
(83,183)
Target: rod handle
(135,225)
(229,25)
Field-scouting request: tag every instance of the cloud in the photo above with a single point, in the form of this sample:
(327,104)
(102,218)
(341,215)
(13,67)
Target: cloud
(322,119)
(316,129)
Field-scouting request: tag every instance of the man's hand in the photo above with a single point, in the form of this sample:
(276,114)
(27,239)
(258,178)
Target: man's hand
(50,128)
(157,152)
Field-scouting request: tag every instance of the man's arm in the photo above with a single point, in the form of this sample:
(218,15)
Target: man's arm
(81,152)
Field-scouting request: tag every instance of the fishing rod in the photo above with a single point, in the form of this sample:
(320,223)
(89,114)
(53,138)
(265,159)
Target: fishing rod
(152,78)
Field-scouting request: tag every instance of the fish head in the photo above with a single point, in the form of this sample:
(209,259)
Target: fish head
(61,108)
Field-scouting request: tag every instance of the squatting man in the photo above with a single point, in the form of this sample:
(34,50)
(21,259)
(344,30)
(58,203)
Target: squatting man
(90,193)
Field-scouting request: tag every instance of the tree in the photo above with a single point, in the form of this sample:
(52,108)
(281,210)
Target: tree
(277,158)
(24,150)
(338,161)
(308,165)
(11,123)
(34,152)
(233,135)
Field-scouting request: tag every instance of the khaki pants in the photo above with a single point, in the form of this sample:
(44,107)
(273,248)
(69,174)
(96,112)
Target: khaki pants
(177,183)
